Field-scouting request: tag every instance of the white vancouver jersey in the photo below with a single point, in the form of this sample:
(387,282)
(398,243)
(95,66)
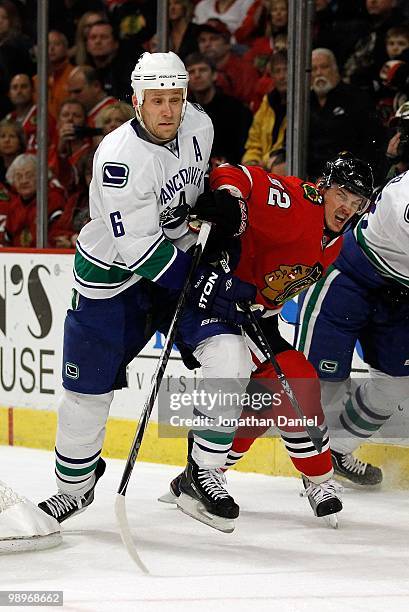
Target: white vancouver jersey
(139,198)
(384,234)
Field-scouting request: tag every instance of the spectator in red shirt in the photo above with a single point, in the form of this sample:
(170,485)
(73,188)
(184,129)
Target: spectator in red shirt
(231,12)
(72,145)
(20,228)
(76,212)
(85,85)
(272,39)
(235,76)
(12,143)
(21,94)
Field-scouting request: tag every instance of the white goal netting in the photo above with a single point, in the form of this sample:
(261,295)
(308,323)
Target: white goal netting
(23,526)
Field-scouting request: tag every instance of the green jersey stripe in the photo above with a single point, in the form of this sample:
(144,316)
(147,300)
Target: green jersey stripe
(311,304)
(89,272)
(158,260)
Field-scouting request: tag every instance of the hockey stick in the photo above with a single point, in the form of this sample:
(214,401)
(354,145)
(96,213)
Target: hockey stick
(313,431)
(120,507)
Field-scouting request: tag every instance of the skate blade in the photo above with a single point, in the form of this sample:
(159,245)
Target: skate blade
(331,520)
(13,545)
(196,510)
(168,498)
(349,484)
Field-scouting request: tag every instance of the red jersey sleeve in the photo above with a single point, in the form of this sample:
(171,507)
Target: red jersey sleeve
(232,176)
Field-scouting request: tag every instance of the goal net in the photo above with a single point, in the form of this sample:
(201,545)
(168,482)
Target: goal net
(24,526)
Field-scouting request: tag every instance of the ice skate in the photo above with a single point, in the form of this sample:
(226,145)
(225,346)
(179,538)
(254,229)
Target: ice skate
(203,497)
(324,499)
(64,505)
(172,495)
(356,471)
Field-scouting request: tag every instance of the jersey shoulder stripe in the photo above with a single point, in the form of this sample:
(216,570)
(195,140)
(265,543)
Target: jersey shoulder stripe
(379,262)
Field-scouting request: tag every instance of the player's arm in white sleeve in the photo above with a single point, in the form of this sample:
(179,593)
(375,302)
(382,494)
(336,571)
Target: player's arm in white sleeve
(128,193)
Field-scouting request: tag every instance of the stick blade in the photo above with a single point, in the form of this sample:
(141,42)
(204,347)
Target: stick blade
(122,519)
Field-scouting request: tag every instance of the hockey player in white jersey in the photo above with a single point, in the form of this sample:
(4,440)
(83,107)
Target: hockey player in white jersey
(365,297)
(131,261)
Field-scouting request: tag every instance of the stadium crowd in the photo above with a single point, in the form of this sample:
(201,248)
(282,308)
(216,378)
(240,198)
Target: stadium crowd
(235,52)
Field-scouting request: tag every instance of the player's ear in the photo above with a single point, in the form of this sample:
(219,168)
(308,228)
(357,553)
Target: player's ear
(134,101)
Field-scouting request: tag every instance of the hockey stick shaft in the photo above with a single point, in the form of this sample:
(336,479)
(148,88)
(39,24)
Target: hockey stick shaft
(163,360)
(313,431)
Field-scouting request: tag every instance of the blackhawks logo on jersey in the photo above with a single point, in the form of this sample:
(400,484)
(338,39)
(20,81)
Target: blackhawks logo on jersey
(289,280)
(312,194)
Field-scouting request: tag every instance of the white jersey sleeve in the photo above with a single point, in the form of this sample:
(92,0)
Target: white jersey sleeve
(383,234)
(140,196)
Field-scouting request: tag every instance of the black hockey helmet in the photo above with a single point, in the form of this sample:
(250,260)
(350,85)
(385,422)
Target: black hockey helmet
(353,174)
(348,171)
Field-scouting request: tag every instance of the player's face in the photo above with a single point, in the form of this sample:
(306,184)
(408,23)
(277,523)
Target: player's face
(340,205)
(161,112)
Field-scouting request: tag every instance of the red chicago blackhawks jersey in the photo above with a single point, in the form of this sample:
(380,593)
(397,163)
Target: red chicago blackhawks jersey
(29,125)
(5,200)
(20,230)
(284,249)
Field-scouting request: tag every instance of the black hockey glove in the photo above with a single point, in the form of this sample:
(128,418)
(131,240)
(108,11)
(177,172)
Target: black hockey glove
(227,212)
(217,293)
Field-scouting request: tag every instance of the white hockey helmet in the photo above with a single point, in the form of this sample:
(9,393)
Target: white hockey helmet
(158,71)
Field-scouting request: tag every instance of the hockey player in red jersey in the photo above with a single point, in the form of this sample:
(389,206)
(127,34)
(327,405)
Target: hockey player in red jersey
(292,234)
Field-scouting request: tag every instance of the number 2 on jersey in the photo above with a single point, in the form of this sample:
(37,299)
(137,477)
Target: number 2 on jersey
(278,198)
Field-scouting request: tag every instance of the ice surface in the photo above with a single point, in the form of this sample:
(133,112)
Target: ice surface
(280,557)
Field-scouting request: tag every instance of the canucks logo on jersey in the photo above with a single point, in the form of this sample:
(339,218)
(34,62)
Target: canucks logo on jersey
(115,175)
